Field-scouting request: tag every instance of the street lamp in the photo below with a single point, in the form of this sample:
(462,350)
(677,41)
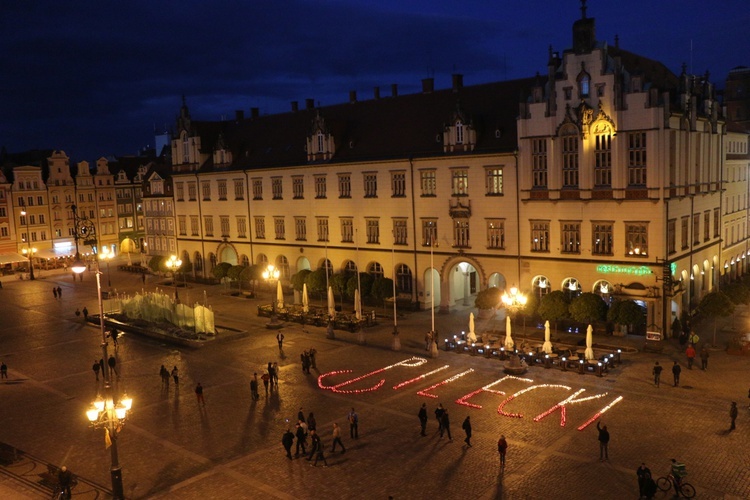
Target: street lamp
(29,249)
(174,264)
(514,302)
(105,412)
(271,275)
(106,254)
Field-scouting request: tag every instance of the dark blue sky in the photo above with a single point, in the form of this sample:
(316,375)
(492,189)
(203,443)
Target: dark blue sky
(95,78)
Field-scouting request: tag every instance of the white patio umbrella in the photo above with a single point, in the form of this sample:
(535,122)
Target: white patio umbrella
(331,304)
(547,346)
(279,296)
(472,337)
(589,353)
(305,300)
(508,338)
(357,304)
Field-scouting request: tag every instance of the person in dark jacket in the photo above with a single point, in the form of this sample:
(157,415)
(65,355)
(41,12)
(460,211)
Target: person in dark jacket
(288,440)
(423,418)
(439,416)
(301,440)
(657,373)
(733,415)
(466,426)
(603,442)
(65,480)
(445,425)
(644,481)
(502,447)
(676,369)
(311,423)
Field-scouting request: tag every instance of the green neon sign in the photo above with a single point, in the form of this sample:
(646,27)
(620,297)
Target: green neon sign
(673,268)
(615,269)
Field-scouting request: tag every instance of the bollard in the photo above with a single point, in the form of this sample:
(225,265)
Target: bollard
(547,361)
(581,367)
(564,364)
(599,368)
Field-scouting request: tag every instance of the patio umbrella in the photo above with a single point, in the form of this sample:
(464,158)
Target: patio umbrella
(331,304)
(357,304)
(279,296)
(547,346)
(305,300)
(472,337)
(589,342)
(508,338)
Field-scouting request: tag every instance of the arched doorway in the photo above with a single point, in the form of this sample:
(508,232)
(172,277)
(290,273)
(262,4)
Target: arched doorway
(303,263)
(497,280)
(227,254)
(461,280)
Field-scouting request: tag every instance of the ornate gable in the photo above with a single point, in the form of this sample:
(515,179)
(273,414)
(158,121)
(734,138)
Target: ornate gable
(459,134)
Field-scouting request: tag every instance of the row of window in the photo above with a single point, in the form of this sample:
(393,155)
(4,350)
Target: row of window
(428,184)
(636,159)
(697,235)
(602,237)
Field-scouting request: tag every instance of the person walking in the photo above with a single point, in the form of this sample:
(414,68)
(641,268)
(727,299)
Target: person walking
(85,313)
(280,340)
(311,423)
(312,353)
(4,371)
(502,447)
(254,386)
(676,369)
(603,442)
(733,415)
(657,373)
(101,365)
(446,425)
(176,376)
(466,426)
(439,416)
(300,415)
(59,292)
(353,419)
(65,480)
(54,292)
(314,444)
(112,363)
(275,379)
(301,439)
(704,358)
(287,440)
(95,367)
(319,451)
(423,418)
(199,394)
(644,479)
(164,374)
(305,358)
(337,439)
(690,353)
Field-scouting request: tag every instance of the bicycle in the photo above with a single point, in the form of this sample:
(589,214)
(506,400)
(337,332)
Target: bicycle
(682,488)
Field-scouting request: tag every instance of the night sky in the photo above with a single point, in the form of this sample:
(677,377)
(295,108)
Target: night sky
(97,78)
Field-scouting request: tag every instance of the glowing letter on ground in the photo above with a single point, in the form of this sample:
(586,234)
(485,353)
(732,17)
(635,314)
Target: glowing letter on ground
(411,362)
(424,392)
(504,413)
(562,405)
(487,388)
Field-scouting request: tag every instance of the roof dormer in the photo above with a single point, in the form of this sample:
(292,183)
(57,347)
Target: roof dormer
(320,143)
(459,134)
(222,155)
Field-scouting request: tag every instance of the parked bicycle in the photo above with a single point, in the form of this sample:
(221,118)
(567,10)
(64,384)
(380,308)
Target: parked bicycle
(681,487)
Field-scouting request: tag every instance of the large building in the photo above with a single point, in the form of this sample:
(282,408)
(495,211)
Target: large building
(608,173)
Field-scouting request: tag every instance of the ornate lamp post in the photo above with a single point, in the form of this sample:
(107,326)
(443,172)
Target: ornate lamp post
(271,275)
(514,302)
(105,412)
(106,255)
(174,264)
(29,249)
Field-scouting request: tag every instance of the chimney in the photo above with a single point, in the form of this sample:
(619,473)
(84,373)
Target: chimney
(458,82)
(239,115)
(376,92)
(352,96)
(254,112)
(309,103)
(428,85)
(394,89)
(295,106)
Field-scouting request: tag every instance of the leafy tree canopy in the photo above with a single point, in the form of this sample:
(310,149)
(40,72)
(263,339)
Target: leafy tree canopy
(588,307)
(220,270)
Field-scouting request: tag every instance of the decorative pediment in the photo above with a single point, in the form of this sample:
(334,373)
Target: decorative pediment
(458,210)
(568,123)
(603,123)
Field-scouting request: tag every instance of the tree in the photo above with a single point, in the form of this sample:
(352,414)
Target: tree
(626,312)
(489,298)
(382,289)
(715,305)
(338,282)
(234,272)
(252,274)
(221,269)
(316,281)
(554,307)
(299,278)
(588,307)
(737,292)
(365,283)
(532,304)
(156,263)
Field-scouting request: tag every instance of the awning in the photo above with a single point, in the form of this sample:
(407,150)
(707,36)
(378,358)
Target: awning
(9,258)
(50,253)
